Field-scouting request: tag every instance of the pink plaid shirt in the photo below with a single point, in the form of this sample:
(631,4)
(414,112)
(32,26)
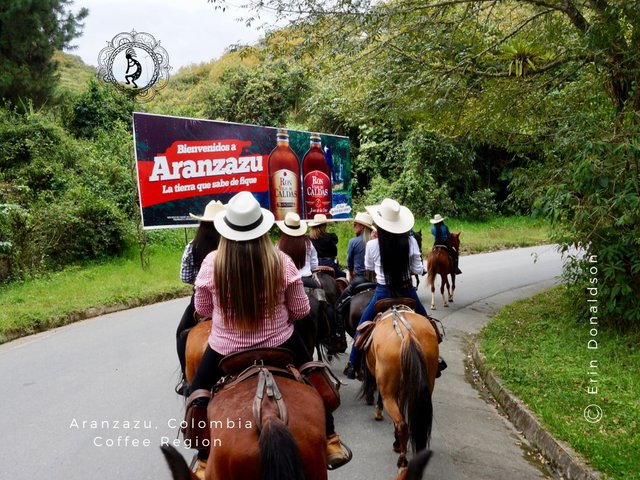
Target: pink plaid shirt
(293,305)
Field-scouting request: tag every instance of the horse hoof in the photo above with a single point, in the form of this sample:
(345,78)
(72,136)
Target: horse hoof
(446,305)
(378,415)
(402,461)
(396,448)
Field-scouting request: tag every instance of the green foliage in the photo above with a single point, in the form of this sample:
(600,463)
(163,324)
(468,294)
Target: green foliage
(67,200)
(590,190)
(264,95)
(31,32)
(99,109)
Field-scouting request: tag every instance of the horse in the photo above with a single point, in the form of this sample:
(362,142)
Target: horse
(314,328)
(294,449)
(401,362)
(332,287)
(180,470)
(440,263)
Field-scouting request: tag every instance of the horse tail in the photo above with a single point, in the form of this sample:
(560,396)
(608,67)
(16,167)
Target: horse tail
(414,396)
(177,464)
(279,453)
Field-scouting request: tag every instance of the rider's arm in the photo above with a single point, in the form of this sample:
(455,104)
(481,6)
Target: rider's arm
(187,268)
(295,298)
(203,288)
(415,259)
(314,257)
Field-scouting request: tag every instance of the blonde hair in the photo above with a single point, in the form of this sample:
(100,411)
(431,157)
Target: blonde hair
(317,231)
(249,278)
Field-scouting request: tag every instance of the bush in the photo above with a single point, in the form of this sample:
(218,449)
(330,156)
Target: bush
(480,205)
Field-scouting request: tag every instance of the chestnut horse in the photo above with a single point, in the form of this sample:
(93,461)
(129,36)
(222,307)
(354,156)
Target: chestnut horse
(295,450)
(180,470)
(440,263)
(401,362)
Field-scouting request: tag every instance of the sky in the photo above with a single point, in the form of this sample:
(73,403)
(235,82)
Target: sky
(191,31)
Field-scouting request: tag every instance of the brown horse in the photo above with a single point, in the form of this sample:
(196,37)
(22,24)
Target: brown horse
(401,362)
(357,305)
(180,470)
(295,450)
(440,263)
(240,451)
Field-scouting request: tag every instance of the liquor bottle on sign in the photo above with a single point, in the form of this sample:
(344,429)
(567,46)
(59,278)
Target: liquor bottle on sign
(316,180)
(284,178)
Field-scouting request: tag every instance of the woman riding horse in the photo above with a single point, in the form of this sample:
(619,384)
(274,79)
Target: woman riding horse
(442,236)
(206,240)
(252,293)
(393,256)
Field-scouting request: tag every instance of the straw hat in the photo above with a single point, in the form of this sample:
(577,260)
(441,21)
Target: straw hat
(391,216)
(292,225)
(211,210)
(318,219)
(437,219)
(243,218)
(364,219)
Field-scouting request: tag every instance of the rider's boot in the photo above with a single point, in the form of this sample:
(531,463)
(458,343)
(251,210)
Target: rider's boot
(350,371)
(441,366)
(336,453)
(201,467)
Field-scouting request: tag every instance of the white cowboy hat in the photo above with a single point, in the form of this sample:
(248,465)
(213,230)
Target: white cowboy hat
(391,216)
(211,210)
(292,225)
(243,219)
(318,219)
(364,219)
(437,219)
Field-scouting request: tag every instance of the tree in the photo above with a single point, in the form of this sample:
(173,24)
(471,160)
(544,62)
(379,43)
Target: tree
(555,80)
(30,32)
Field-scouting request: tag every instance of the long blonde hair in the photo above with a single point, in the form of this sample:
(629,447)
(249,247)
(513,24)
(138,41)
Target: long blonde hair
(249,279)
(317,231)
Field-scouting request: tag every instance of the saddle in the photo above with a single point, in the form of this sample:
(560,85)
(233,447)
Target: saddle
(326,269)
(267,364)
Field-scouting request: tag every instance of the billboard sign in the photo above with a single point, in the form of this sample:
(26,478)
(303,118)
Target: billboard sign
(184,163)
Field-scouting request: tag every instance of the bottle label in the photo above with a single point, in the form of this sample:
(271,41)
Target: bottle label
(317,193)
(285,193)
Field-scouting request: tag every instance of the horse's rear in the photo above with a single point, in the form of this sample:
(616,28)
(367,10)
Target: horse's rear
(403,366)
(293,450)
(439,263)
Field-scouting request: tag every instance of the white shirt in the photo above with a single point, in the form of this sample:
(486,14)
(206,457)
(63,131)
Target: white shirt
(311,261)
(373,262)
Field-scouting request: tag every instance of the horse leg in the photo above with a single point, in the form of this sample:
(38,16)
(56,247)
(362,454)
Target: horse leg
(444,281)
(378,414)
(401,430)
(453,286)
(432,282)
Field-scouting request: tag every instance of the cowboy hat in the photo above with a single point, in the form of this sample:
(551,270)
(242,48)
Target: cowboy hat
(391,216)
(211,210)
(243,219)
(364,219)
(318,219)
(292,225)
(437,219)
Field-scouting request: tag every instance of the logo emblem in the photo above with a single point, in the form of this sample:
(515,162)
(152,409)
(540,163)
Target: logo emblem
(135,64)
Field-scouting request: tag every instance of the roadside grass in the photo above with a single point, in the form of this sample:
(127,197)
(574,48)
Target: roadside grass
(538,348)
(62,297)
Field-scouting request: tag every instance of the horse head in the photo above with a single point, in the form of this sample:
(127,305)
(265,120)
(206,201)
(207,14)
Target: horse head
(454,241)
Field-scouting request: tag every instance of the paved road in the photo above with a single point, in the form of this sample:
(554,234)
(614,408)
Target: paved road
(77,399)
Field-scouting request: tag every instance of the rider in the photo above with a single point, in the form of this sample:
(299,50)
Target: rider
(442,236)
(295,243)
(326,243)
(394,255)
(251,307)
(205,241)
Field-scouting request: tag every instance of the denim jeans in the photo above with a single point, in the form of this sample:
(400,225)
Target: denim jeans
(381,292)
